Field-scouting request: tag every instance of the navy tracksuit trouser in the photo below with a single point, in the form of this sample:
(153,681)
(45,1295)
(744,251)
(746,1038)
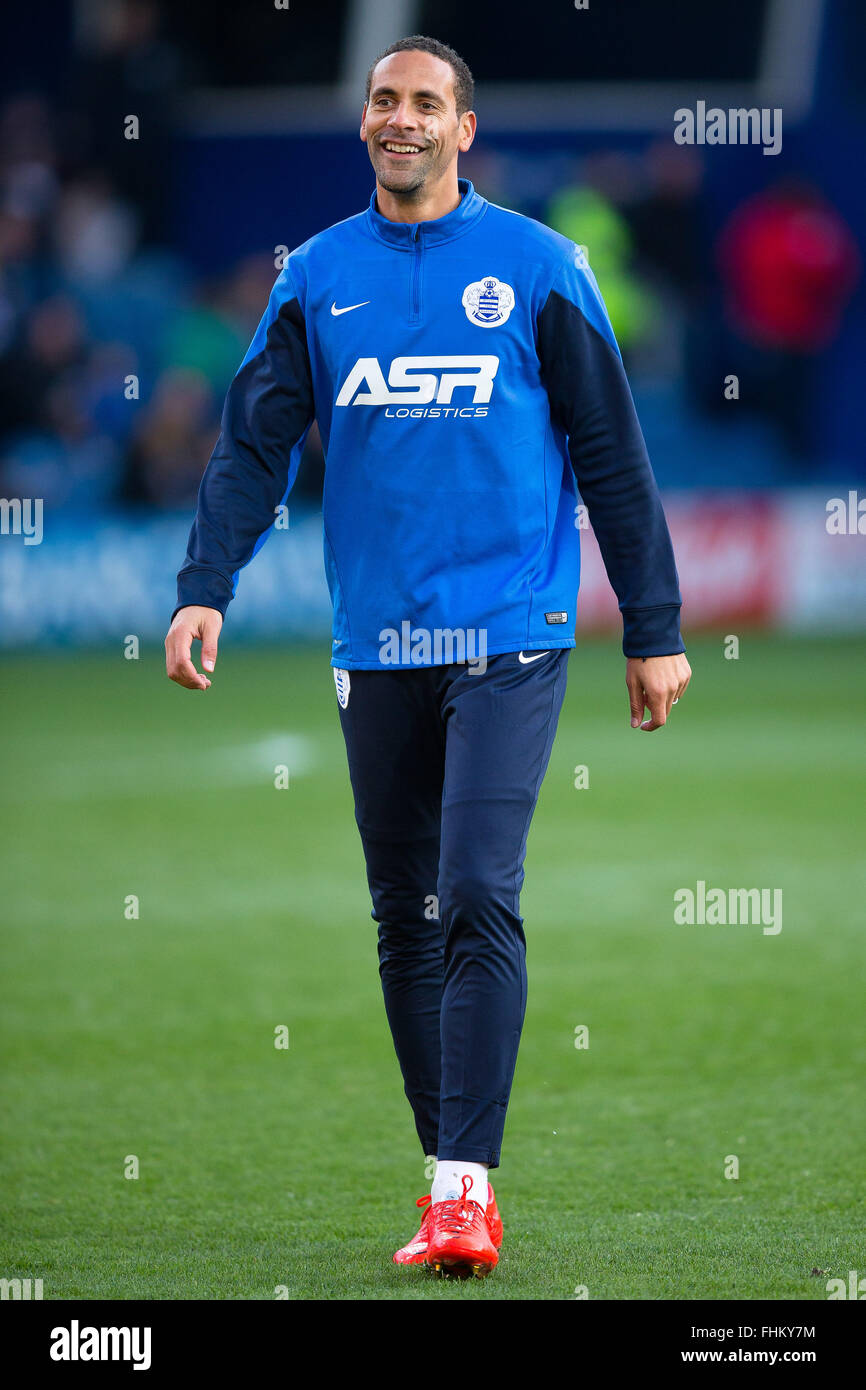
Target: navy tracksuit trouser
(446,763)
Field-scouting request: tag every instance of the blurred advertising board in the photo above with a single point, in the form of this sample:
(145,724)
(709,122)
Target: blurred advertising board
(792,559)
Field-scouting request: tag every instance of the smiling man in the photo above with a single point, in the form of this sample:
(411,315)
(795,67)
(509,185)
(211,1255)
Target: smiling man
(466,381)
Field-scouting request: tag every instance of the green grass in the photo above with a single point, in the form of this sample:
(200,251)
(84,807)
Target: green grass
(155,1037)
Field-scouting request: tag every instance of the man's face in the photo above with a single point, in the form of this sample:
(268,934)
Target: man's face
(410,123)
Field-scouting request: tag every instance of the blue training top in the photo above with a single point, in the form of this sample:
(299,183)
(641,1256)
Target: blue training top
(463,373)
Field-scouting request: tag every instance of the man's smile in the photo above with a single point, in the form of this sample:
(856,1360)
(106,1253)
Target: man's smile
(401,149)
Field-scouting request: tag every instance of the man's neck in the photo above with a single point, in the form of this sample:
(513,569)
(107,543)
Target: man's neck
(425,206)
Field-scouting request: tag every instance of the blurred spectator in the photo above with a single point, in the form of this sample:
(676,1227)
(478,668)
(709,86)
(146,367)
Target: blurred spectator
(203,337)
(55,447)
(789,264)
(53,343)
(591,215)
(246,294)
(667,218)
(173,440)
(130,69)
(94,233)
(28,190)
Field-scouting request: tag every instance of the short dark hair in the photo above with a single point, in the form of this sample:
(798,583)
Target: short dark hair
(464,83)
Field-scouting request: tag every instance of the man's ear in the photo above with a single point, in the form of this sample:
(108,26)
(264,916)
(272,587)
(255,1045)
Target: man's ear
(468,123)
(364,123)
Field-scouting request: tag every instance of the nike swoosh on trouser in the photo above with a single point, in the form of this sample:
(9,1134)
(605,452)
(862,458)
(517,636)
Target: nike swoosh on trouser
(525,660)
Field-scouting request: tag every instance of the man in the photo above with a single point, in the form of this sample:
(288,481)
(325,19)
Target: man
(462,370)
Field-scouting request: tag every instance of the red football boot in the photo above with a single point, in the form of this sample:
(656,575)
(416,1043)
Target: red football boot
(415,1252)
(494,1220)
(458,1238)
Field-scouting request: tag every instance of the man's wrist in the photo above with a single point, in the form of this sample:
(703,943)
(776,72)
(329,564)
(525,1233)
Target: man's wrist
(652,631)
(200,597)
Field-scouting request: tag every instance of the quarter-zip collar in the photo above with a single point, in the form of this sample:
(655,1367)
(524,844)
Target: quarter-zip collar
(402,234)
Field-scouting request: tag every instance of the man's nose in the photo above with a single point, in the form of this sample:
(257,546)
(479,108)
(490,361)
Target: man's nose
(403,116)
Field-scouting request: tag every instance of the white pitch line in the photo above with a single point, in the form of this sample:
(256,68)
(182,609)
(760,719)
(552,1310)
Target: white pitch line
(126,772)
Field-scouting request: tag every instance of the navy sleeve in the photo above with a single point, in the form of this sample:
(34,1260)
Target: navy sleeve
(268,410)
(590,399)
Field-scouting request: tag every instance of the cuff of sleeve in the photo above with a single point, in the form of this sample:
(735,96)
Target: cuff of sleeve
(652,631)
(203,588)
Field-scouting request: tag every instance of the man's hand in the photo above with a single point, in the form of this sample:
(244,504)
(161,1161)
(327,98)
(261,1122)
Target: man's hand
(654,682)
(190,623)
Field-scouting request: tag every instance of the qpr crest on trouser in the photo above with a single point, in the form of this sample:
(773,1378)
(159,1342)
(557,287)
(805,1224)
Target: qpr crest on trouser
(488,302)
(343,684)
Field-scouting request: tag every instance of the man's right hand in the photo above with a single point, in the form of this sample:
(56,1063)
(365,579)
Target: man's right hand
(191,623)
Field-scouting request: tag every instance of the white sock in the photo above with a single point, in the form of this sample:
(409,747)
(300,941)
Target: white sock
(448,1181)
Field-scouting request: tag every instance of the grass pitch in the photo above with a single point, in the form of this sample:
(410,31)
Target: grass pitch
(151,1038)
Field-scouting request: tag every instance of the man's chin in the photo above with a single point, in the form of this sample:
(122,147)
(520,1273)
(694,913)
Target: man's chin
(409,184)
(408,180)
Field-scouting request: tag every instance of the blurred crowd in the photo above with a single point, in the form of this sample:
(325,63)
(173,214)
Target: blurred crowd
(115,357)
(757,299)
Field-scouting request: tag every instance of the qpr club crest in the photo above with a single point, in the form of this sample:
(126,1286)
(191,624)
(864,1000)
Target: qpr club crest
(488,302)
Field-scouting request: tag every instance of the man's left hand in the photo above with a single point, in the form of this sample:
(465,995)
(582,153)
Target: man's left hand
(655,683)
